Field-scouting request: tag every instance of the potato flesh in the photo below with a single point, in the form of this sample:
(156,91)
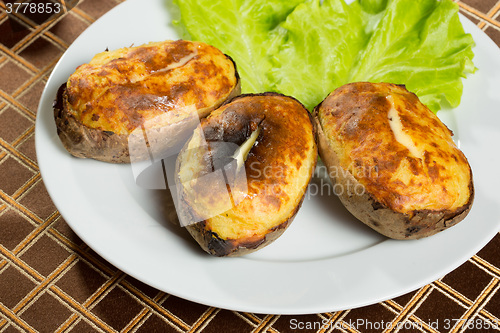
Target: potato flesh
(278,167)
(264,207)
(153,85)
(427,173)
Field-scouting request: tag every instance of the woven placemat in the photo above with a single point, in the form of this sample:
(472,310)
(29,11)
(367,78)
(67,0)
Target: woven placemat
(51,281)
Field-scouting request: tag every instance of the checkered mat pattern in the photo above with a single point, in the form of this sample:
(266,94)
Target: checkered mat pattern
(51,281)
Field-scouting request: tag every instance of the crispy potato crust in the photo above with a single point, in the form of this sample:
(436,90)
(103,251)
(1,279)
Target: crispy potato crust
(415,181)
(276,174)
(158,91)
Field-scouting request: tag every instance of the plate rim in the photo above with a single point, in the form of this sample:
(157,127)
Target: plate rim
(202,300)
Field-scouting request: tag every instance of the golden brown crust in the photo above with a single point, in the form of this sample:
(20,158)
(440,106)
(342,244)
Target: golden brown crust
(364,207)
(161,89)
(122,90)
(356,116)
(277,172)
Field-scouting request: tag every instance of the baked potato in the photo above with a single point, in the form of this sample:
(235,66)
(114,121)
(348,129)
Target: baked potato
(137,101)
(242,176)
(393,162)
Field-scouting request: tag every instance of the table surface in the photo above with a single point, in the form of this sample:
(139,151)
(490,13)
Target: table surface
(51,281)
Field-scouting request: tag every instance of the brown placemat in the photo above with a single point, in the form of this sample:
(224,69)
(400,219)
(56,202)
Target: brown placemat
(51,281)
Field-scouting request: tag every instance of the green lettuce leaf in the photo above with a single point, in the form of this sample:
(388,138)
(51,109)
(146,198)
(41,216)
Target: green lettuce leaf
(240,29)
(318,50)
(422,45)
(306,49)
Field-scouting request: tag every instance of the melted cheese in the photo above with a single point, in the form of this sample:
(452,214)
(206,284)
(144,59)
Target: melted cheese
(241,153)
(399,133)
(142,76)
(177,64)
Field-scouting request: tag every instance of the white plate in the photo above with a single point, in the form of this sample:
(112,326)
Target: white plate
(325,261)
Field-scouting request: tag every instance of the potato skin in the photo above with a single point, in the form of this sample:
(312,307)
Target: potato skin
(158,91)
(285,143)
(383,206)
(107,146)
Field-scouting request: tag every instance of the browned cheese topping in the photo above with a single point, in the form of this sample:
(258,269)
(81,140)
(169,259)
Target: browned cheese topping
(151,85)
(396,147)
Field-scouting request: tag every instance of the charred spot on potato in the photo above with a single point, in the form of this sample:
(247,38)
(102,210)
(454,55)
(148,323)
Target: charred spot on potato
(412,230)
(234,128)
(57,104)
(377,205)
(374,222)
(218,246)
